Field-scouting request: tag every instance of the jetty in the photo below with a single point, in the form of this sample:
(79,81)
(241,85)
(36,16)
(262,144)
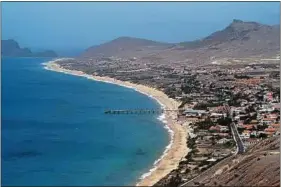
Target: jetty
(140,111)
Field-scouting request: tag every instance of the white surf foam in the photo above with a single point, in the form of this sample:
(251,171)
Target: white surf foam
(162,118)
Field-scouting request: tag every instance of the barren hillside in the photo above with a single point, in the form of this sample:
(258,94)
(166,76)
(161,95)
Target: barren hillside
(238,40)
(259,166)
(125,47)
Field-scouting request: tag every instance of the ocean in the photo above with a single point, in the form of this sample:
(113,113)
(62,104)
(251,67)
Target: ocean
(55,132)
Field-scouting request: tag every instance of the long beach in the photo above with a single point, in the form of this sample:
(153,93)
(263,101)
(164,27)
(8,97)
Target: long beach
(176,150)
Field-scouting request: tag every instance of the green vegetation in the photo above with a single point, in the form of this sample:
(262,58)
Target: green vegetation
(204,125)
(204,106)
(229,144)
(184,101)
(203,163)
(261,127)
(191,85)
(250,109)
(262,135)
(240,130)
(170,91)
(241,77)
(224,121)
(252,136)
(191,142)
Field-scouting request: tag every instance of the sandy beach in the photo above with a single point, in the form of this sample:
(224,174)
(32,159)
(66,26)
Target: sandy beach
(177,148)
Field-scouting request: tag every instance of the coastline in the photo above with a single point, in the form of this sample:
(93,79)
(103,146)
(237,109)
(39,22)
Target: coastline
(175,151)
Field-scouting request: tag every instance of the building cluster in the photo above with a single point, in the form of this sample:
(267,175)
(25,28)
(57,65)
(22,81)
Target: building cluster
(221,105)
(258,120)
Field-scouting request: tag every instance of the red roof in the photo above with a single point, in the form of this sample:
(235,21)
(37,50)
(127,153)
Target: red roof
(269,119)
(275,125)
(223,134)
(215,128)
(270,130)
(248,127)
(277,106)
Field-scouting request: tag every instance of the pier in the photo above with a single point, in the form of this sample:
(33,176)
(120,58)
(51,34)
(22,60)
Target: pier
(140,111)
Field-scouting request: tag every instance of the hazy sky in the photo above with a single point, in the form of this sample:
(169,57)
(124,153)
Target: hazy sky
(78,25)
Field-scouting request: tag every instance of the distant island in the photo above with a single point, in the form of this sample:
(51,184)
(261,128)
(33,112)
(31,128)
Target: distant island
(11,48)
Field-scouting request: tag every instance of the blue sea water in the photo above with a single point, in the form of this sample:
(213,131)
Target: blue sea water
(54,131)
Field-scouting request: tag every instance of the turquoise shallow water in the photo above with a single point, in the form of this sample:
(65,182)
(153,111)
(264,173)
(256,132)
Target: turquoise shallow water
(54,131)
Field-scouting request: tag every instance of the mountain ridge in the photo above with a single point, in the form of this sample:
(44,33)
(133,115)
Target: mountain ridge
(236,30)
(239,38)
(124,43)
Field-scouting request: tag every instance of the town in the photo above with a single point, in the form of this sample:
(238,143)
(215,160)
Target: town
(228,107)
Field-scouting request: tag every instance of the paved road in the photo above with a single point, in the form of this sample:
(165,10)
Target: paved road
(239,142)
(240,145)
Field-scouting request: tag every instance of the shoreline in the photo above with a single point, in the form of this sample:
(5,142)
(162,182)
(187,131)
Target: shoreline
(175,151)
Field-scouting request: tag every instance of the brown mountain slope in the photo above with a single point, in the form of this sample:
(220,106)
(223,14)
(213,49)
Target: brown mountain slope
(259,166)
(239,39)
(125,47)
(239,32)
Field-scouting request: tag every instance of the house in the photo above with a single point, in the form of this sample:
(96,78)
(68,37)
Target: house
(237,118)
(237,110)
(202,132)
(191,112)
(223,128)
(215,116)
(223,134)
(253,133)
(245,134)
(267,120)
(218,115)
(275,125)
(215,128)
(248,126)
(270,134)
(251,141)
(240,125)
(276,106)
(207,137)
(218,109)
(254,122)
(266,108)
(223,140)
(193,118)
(270,130)
(260,132)
(211,160)
(273,116)
(244,102)
(268,96)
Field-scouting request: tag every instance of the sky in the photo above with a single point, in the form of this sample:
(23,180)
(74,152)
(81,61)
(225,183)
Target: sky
(74,26)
